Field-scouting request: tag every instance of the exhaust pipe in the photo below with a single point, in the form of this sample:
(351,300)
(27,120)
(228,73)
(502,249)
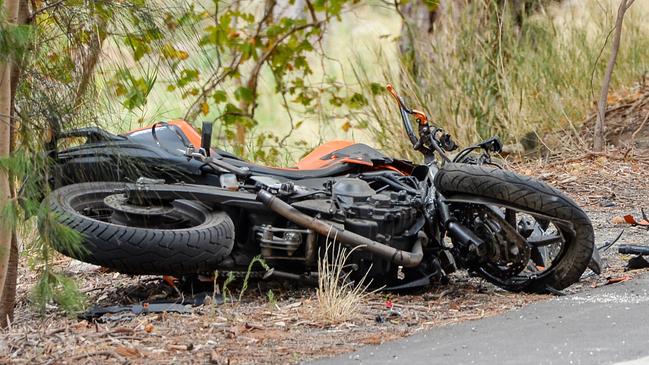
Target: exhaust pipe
(399,257)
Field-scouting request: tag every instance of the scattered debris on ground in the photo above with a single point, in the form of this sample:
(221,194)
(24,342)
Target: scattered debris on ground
(637,262)
(630,219)
(254,330)
(282,328)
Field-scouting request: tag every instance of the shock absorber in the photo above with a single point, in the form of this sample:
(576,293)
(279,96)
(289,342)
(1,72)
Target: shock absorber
(459,233)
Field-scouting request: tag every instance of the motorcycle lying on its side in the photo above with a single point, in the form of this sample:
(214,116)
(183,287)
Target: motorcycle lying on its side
(161,200)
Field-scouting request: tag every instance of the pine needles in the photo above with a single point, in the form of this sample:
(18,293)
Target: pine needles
(60,289)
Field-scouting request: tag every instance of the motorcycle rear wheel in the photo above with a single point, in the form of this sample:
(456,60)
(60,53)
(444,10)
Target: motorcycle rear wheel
(489,185)
(193,239)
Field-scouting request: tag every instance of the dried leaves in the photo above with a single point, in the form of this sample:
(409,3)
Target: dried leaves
(596,181)
(242,332)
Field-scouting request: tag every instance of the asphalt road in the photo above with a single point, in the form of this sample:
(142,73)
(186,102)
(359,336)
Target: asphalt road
(606,325)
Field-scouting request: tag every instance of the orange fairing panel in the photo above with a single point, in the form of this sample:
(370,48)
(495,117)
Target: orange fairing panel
(314,161)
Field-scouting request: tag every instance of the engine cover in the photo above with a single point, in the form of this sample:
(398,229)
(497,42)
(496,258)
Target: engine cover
(379,216)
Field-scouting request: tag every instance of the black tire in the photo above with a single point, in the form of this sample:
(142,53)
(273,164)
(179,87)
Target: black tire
(528,194)
(135,250)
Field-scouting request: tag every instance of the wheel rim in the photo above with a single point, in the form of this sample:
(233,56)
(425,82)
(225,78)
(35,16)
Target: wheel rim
(546,237)
(100,205)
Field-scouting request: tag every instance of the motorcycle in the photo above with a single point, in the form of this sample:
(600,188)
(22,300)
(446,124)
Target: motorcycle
(161,200)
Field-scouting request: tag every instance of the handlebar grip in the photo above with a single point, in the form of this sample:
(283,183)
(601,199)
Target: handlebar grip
(393,92)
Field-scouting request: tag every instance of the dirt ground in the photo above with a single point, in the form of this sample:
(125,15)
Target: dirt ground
(286,329)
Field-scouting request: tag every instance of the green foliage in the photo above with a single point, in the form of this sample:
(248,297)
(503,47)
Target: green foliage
(272,300)
(59,289)
(256,259)
(216,56)
(134,90)
(53,53)
(51,287)
(14,40)
(226,290)
(57,235)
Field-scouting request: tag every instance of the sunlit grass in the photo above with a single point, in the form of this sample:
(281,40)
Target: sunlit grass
(338,297)
(485,77)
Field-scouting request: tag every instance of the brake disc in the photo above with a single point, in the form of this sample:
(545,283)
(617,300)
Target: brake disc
(513,251)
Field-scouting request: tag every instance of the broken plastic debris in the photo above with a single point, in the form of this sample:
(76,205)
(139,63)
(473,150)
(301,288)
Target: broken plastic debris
(644,222)
(618,279)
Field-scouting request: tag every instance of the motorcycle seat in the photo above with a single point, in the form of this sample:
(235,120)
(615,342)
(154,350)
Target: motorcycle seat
(333,158)
(294,174)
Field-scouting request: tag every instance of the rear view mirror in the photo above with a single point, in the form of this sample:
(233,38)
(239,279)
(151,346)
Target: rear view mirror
(206,138)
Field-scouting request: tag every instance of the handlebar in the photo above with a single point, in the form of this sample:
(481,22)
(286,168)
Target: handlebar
(404,111)
(427,138)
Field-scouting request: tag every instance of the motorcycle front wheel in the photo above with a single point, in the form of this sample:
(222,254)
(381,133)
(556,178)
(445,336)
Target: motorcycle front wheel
(556,234)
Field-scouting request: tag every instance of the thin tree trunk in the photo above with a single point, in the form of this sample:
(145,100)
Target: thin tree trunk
(6,232)
(5,191)
(599,138)
(9,290)
(418,22)
(8,298)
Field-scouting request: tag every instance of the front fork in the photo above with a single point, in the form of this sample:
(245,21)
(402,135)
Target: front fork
(439,210)
(461,235)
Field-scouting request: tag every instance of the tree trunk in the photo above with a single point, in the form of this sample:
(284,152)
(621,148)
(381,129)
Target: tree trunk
(9,290)
(7,267)
(5,191)
(418,22)
(599,140)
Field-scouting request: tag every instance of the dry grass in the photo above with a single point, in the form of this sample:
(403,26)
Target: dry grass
(338,297)
(482,76)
